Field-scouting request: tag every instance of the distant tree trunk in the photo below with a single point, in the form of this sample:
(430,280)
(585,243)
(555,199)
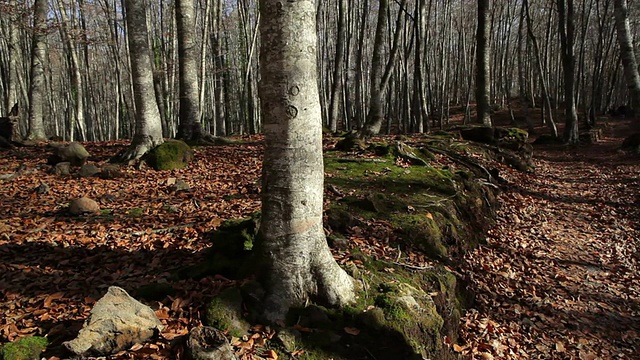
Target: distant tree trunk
(380,73)
(334,105)
(548,115)
(567,39)
(298,263)
(38,59)
(483,83)
(14,59)
(190,127)
(627,53)
(148,130)
(77,119)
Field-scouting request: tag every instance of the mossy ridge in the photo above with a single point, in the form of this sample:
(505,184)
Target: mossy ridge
(26,348)
(397,315)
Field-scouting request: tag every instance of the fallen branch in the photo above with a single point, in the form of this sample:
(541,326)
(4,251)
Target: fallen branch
(167,229)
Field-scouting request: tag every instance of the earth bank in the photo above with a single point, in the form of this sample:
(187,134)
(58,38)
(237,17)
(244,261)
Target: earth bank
(400,215)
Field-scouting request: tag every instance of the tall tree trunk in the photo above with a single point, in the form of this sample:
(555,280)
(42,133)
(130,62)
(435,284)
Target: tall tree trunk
(567,39)
(334,105)
(148,130)
(38,58)
(14,58)
(627,53)
(548,115)
(77,118)
(380,73)
(483,83)
(298,262)
(189,128)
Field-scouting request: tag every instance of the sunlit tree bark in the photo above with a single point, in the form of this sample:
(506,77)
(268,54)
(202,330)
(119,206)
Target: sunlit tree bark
(189,116)
(38,58)
(148,129)
(627,53)
(298,263)
(483,84)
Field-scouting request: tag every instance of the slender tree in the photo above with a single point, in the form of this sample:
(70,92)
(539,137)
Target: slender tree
(548,116)
(38,59)
(627,53)
(381,73)
(334,106)
(566,23)
(298,262)
(148,130)
(189,116)
(483,83)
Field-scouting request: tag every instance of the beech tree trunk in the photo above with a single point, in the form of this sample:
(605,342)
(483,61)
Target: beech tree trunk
(548,111)
(483,85)
(298,262)
(189,128)
(148,129)
(38,58)
(334,106)
(627,53)
(567,40)
(381,73)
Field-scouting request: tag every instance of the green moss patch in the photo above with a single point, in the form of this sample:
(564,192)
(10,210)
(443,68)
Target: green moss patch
(27,348)
(172,154)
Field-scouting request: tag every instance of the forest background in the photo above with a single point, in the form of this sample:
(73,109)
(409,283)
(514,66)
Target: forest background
(427,55)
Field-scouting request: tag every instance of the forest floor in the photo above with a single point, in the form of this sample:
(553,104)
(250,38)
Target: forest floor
(559,277)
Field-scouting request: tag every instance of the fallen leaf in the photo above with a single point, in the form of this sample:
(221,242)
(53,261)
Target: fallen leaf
(352,330)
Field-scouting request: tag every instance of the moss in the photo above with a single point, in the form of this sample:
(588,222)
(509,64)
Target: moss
(423,230)
(27,348)
(172,154)
(135,212)
(224,312)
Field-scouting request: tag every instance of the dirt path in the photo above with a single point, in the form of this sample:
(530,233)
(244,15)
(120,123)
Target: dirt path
(560,275)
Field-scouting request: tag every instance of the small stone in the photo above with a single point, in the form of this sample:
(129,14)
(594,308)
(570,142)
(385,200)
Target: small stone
(110,171)
(180,185)
(42,189)
(290,339)
(88,170)
(83,205)
(62,168)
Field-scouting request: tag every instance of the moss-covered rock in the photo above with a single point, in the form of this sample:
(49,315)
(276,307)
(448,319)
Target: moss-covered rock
(172,154)
(27,348)
(230,252)
(412,313)
(224,312)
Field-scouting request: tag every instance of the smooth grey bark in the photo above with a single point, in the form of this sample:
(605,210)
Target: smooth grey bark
(148,127)
(627,53)
(14,58)
(77,119)
(189,116)
(38,57)
(334,105)
(381,73)
(298,262)
(548,115)
(567,40)
(483,83)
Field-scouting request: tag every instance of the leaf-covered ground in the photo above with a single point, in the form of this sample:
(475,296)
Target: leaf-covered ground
(559,277)
(54,266)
